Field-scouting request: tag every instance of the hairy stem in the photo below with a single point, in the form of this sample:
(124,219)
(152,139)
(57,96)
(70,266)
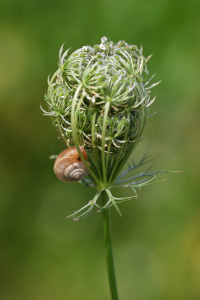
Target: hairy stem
(109,251)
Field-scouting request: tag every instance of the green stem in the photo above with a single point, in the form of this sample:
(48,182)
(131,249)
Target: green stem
(75,136)
(95,150)
(123,161)
(62,135)
(116,163)
(109,251)
(107,107)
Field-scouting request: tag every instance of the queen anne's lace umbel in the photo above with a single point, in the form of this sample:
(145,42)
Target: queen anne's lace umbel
(98,99)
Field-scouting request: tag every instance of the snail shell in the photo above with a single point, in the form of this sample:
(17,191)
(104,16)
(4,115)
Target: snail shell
(69,167)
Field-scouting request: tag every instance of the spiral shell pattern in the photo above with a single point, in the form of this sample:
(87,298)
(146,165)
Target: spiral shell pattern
(75,172)
(69,167)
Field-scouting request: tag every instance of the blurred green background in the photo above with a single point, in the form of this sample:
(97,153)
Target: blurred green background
(157,241)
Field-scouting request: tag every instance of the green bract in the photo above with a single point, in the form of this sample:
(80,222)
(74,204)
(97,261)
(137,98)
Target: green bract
(98,99)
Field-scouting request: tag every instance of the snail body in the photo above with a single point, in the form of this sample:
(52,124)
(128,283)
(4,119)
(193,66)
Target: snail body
(69,167)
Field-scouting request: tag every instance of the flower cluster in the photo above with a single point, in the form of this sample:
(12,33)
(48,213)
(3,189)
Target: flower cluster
(98,99)
(112,74)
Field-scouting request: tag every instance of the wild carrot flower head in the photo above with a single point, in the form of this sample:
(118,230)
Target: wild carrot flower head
(98,99)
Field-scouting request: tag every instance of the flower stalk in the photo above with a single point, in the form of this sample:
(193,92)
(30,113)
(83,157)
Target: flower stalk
(109,250)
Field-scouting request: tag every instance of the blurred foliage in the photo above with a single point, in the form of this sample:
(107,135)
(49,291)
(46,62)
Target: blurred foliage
(157,242)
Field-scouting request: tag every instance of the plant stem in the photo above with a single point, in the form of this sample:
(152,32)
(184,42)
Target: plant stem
(107,107)
(109,251)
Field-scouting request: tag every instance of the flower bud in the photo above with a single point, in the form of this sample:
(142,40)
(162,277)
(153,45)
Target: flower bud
(99,97)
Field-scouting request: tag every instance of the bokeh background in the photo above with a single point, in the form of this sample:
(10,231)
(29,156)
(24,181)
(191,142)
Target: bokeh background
(157,241)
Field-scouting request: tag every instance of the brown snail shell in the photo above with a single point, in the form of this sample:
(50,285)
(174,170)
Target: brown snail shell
(69,167)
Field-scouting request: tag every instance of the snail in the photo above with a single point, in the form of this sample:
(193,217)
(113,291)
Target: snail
(69,167)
